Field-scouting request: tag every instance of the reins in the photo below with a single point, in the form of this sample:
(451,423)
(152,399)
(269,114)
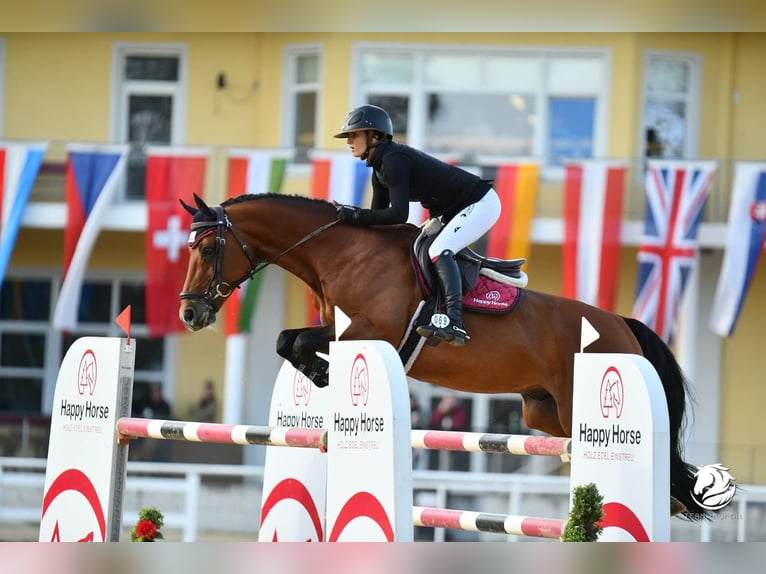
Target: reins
(217,288)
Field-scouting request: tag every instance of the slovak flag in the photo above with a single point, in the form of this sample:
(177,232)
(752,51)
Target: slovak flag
(516,185)
(593,197)
(172,173)
(339,177)
(675,195)
(746,240)
(93,174)
(252,171)
(19,165)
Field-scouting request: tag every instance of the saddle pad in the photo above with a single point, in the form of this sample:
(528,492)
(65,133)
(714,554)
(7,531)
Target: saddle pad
(490,296)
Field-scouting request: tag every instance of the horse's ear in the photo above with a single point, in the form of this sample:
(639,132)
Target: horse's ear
(187,207)
(203,207)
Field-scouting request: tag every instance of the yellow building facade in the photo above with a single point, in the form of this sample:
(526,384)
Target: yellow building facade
(249,90)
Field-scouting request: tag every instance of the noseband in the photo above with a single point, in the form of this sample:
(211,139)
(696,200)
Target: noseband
(217,288)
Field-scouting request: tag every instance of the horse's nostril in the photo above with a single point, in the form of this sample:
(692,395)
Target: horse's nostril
(188,315)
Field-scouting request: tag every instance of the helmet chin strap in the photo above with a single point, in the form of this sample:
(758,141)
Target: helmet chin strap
(372,143)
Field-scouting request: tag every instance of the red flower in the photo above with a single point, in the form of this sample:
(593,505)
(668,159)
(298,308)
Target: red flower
(146,530)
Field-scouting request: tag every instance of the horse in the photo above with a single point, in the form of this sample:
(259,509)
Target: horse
(367,271)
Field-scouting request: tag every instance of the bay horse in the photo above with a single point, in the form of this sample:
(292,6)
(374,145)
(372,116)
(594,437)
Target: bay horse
(368,273)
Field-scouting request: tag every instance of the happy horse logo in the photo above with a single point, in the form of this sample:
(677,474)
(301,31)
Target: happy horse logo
(301,390)
(714,487)
(360,381)
(86,373)
(493,295)
(612,392)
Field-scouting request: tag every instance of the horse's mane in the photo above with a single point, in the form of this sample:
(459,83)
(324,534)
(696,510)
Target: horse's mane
(406,228)
(279,196)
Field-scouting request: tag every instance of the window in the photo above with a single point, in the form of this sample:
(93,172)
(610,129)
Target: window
(473,101)
(31,350)
(303,66)
(670,112)
(148,103)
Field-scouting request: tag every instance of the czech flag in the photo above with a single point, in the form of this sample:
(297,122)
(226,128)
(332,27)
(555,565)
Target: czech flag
(93,173)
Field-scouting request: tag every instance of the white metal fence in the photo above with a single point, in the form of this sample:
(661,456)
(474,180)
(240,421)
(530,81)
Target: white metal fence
(222,502)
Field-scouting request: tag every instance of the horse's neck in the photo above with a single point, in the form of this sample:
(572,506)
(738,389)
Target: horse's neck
(282,232)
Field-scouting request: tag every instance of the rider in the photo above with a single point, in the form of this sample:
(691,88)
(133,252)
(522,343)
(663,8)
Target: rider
(467,205)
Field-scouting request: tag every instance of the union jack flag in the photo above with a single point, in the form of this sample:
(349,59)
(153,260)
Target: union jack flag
(675,195)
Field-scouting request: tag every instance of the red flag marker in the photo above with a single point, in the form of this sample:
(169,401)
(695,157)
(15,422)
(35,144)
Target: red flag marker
(123,320)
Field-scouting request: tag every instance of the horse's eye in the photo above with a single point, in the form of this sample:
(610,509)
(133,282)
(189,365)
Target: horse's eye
(207,251)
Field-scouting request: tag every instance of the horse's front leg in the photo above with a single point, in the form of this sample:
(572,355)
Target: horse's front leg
(299,346)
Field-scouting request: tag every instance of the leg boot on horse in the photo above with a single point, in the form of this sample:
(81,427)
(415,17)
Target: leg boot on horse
(450,330)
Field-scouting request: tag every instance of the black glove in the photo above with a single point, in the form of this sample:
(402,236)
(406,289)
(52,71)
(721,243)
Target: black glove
(347,213)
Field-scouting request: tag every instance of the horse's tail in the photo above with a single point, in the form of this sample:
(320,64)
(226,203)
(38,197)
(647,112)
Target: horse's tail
(675,385)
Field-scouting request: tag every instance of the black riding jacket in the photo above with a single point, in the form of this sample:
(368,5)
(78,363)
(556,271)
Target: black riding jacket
(402,174)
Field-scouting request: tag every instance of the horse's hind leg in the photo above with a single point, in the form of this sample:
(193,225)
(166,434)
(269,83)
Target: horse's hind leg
(542,413)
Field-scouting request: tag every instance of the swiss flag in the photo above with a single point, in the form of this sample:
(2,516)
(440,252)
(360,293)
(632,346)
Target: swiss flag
(171,174)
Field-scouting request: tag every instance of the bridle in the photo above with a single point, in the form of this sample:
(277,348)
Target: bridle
(217,288)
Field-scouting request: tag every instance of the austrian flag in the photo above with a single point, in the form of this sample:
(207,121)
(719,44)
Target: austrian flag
(675,195)
(593,195)
(171,174)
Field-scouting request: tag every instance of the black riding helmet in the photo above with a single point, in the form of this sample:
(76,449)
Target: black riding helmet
(367,117)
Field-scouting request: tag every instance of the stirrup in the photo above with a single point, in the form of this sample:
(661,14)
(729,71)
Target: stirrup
(458,335)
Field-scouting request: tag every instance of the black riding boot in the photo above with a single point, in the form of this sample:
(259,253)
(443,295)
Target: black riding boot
(450,327)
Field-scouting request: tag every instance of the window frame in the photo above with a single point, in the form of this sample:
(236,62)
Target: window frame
(121,89)
(290,88)
(691,98)
(53,336)
(418,90)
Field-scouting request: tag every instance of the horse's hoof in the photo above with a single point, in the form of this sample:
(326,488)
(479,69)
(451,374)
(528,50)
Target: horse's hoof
(457,342)
(319,379)
(433,341)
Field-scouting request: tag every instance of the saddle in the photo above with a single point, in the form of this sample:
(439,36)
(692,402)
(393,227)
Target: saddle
(490,285)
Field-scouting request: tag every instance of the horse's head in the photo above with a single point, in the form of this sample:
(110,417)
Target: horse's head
(216,266)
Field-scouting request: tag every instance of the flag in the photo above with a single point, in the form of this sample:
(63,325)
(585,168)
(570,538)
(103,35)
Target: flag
(336,177)
(746,239)
(251,171)
(516,185)
(675,195)
(171,174)
(339,177)
(19,165)
(593,194)
(93,173)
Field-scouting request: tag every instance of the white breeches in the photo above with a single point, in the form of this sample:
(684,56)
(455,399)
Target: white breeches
(467,226)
